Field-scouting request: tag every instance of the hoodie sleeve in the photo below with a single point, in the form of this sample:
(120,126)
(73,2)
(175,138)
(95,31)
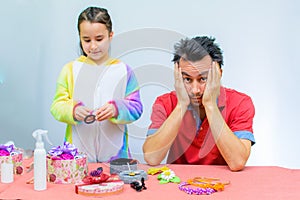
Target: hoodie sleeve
(130,108)
(63,103)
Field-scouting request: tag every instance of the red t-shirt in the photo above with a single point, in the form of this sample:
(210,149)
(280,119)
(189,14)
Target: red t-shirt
(194,143)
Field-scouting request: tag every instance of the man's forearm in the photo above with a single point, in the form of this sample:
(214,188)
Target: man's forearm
(157,145)
(234,151)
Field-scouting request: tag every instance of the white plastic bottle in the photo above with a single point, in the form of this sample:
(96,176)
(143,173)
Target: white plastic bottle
(40,170)
(7,168)
(7,172)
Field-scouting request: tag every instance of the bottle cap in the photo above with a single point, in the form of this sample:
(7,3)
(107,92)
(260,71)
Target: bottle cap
(37,134)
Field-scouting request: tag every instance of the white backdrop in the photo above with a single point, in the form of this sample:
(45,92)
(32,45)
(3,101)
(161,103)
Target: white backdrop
(260,40)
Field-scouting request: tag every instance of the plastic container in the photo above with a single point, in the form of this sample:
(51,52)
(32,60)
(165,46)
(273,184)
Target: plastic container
(39,157)
(7,172)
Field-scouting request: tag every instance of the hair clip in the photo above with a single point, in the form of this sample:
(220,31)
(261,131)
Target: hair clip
(96,172)
(154,170)
(96,176)
(137,186)
(168,176)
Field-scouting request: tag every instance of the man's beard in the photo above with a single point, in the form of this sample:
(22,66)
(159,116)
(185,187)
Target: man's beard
(196,100)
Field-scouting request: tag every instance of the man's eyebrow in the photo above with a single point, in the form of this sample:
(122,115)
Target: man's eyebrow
(204,73)
(200,74)
(185,74)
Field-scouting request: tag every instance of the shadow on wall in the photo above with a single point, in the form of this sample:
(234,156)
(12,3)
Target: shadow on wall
(154,79)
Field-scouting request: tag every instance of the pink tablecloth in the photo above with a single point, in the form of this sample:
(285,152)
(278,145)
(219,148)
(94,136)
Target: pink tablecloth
(251,183)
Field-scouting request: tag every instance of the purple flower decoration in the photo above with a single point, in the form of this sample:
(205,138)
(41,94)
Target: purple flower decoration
(66,156)
(96,172)
(5,150)
(66,152)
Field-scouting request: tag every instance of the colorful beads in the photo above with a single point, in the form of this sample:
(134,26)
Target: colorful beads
(197,191)
(203,185)
(218,186)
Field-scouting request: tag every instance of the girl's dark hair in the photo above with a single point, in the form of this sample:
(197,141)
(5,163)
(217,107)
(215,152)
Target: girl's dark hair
(94,15)
(196,48)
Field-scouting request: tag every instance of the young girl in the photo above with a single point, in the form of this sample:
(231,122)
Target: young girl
(97,95)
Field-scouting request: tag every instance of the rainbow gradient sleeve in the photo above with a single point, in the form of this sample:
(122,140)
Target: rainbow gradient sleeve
(130,108)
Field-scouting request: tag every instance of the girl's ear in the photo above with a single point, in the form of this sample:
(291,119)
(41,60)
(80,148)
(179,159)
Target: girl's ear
(111,34)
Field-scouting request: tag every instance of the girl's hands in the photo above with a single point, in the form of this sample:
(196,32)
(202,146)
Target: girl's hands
(80,112)
(105,112)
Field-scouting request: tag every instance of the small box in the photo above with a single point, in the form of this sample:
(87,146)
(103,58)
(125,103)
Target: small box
(16,157)
(63,168)
(122,164)
(101,189)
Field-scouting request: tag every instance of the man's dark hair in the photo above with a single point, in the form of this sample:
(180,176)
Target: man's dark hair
(196,48)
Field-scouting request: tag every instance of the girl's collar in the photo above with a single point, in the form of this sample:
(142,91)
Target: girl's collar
(108,62)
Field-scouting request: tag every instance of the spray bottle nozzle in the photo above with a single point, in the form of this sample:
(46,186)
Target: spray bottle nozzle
(37,134)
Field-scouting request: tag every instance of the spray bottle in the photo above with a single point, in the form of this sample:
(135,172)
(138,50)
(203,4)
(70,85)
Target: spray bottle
(40,167)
